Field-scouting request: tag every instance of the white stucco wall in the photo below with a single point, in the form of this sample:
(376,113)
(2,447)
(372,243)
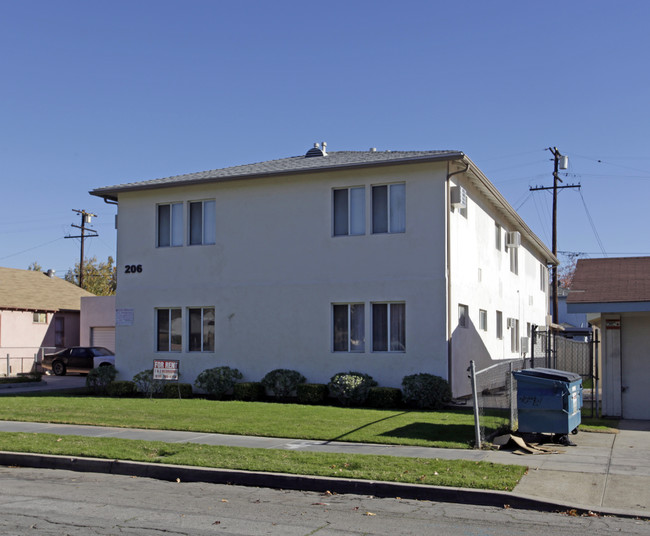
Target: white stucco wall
(480,277)
(276,270)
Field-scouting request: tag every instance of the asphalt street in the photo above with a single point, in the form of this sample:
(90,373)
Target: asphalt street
(55,502)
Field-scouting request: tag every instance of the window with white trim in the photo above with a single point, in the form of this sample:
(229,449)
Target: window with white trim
(202,223)
(170,225)
(497,236)
(463,315)
(349,211)
(389,208)
(348,333)
(482,320)
(201,329)
(543,277)
(39,318)
(499,325)
(514,260)
(513,324)
(388,327)
(169,330)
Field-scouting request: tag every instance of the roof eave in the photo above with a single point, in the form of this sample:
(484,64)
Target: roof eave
(112,193)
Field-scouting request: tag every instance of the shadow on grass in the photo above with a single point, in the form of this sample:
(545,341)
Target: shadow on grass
(343,436)
(433,432)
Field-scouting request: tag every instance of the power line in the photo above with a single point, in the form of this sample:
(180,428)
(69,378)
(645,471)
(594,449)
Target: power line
(30,249)
(593,225)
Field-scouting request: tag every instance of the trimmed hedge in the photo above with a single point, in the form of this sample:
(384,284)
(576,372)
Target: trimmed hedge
(311,393)
(248,391)
(282,383)
(426,391)
(351,388)
(100,378)
(170,389)
(384,397)
(122,389)
(217,381)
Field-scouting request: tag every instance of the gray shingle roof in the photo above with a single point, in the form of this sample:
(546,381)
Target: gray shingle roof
(28,290)
(294,164)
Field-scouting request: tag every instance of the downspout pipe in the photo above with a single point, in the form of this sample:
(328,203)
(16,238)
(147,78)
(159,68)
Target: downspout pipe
(448,255)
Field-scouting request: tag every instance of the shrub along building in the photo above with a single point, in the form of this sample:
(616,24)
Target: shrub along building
(384,262)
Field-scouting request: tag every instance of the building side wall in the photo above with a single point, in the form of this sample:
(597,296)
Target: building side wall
(481,279)
(275,271)
(96,311)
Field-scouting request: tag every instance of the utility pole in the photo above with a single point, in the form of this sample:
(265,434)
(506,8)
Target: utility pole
(86,218)
(560,162)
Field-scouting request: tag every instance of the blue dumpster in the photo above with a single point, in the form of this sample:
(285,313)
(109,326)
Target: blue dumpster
(548,401)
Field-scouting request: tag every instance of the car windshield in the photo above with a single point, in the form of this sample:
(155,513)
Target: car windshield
(99,351)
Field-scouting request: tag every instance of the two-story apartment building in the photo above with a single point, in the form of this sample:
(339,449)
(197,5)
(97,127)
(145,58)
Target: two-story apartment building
(384,262)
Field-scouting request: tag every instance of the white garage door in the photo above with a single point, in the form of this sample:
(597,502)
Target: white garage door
(103,337)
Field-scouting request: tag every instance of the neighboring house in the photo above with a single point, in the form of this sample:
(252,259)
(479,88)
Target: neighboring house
(36,310)
(98,321)
(575,325)
(388,263)
(615,293)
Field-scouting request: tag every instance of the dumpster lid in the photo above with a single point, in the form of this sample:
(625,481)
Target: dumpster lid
(550,374)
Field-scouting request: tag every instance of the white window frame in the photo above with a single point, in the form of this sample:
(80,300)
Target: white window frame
(497,236)
(499,325)
(354,316)
(174,236)
(388,334)
(170,347)
(208,223)
(514,260)
(39,317)
(543,278)
(391,218)
(514,335)
(203,347)
(482,320)
(463,315)
(353,222)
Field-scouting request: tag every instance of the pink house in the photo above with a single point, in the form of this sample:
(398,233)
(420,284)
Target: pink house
(38,312)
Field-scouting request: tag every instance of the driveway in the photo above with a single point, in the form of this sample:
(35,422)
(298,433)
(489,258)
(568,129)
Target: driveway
(48,383)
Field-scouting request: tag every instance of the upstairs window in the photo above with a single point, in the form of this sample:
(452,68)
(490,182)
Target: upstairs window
(497,236)
(463,315)
(349,211)
(202,223)
(389,208)
(39,318)
(499,325)
(514,260)
(482,320)
(170,225)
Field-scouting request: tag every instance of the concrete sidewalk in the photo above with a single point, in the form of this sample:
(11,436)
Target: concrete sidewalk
(603,473)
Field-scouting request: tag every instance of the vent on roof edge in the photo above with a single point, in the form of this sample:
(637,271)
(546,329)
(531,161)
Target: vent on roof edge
(316,150)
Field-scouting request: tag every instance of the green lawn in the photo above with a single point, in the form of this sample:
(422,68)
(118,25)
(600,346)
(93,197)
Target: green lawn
(456,473)
(447,429)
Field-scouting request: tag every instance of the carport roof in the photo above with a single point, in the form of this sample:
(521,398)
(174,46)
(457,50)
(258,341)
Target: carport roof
(28,290)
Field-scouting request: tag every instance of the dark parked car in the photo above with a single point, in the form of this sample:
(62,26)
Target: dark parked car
(78,359)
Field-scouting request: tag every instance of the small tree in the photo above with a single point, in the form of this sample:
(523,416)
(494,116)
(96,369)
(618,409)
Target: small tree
(100,278)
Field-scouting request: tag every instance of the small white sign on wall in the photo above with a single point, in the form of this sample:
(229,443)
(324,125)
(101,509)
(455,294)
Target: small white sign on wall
(124,317)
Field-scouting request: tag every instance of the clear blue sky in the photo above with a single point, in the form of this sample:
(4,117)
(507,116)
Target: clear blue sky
(96,93)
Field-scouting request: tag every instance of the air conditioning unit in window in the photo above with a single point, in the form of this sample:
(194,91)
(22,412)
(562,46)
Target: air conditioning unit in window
(513,239)
(458,197)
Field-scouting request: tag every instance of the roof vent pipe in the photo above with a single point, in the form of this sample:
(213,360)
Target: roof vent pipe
(50,273)
(373,149)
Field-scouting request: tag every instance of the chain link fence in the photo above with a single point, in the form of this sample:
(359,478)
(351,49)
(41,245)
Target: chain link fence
(495,390)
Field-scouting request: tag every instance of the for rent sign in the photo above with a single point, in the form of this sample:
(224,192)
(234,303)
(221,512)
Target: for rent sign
(165,369)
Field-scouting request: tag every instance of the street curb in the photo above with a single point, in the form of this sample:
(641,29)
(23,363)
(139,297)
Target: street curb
(183,473)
